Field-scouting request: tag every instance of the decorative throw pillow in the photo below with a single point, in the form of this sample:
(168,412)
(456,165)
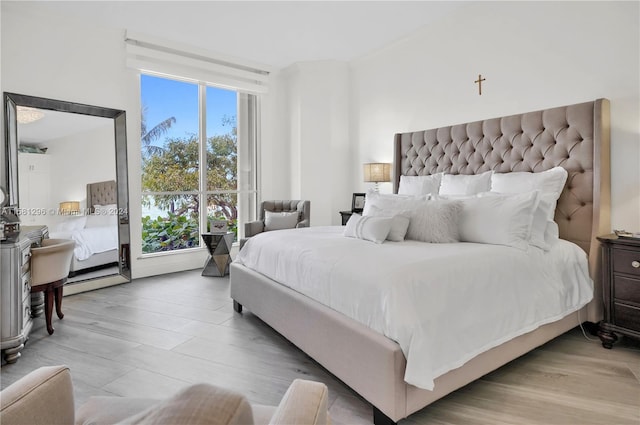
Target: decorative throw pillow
(374,229)
(435,221)
(399,222)
(498,219)
(419,185)
(465,184)
(280,220)
(197,404)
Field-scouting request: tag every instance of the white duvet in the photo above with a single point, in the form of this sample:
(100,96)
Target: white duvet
(90,240)
(442,303)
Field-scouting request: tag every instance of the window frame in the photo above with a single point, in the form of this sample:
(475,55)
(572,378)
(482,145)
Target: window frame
(250,142)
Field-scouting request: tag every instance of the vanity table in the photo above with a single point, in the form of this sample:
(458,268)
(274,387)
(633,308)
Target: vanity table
(15,278)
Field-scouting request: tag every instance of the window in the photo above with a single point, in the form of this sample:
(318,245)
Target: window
(198,161)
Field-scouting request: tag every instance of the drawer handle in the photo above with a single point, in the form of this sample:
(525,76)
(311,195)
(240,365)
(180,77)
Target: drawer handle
(635,264)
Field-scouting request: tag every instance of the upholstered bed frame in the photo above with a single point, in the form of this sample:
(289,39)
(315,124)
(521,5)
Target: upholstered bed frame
(575,137)
(100,193)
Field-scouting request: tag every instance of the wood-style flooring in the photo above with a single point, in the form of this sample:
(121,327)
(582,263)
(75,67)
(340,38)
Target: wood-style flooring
(155,335)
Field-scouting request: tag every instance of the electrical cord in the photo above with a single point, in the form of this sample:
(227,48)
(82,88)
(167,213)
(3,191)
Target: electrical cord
(582,328)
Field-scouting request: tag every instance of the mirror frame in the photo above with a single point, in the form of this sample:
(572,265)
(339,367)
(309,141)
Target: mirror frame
(12,101)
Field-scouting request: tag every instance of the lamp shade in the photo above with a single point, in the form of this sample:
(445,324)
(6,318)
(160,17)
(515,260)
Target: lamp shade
(69,207)
(377,172)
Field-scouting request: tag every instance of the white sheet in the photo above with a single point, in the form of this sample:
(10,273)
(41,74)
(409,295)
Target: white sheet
(443,303)
(90,240)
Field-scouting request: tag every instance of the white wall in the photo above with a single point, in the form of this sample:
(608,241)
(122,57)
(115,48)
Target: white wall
(60,58)
(315,126)
(534,55)
(69,175)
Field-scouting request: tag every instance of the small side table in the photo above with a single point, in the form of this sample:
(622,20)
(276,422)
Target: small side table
(219,246)
(346,215)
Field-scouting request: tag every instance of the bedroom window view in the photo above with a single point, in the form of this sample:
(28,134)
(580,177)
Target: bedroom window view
(173,215)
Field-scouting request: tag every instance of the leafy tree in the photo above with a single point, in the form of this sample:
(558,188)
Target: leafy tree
(147,137)
(174,168)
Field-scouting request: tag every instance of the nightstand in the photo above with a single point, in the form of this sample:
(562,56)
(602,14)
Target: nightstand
(346,215)
(621,288)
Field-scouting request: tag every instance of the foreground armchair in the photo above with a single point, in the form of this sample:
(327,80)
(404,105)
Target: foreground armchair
(45,396)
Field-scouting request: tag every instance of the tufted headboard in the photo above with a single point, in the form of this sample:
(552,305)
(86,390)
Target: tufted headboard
(575,137)
(101,193)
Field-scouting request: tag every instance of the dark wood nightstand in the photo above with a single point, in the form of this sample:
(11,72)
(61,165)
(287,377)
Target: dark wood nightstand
(346,215)
(621,286)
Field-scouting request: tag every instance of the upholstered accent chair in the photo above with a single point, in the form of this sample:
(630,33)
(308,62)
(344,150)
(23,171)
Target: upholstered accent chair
(50,264)
(45,397)
(277,215)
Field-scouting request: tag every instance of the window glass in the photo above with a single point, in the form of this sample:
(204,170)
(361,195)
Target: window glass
(173,185)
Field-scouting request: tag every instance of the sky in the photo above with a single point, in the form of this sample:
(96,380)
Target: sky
(164,98)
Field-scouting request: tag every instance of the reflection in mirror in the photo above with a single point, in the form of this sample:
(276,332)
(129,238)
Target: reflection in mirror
(72,178)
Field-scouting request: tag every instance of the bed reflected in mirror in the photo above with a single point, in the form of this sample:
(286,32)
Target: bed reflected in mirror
(72,178)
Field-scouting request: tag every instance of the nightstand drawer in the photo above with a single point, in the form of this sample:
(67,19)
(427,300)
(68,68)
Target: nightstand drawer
(627,317)
(626,289)
(625,261)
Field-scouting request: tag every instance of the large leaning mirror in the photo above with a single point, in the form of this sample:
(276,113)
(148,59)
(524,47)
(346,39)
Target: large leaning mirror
(67,170)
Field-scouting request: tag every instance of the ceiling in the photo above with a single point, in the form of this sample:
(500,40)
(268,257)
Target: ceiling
(274,33)
(54,126)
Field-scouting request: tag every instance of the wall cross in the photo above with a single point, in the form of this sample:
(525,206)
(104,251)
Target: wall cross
(479,81)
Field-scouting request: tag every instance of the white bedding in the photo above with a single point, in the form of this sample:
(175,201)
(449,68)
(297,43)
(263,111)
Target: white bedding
(90,240)
(442,303)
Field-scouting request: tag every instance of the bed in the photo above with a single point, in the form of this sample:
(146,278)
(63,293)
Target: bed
(574,137)
(95,232)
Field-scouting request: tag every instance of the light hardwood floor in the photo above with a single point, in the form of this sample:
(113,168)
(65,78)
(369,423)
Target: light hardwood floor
(155,335)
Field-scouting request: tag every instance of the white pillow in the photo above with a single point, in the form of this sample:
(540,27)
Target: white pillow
(547,182)
(419,185)
(71,223)
(399,222)
(374,229)
(435,221)
(499,219)
(465,184)
(280,220)
(101,220)
(388,201)
(550,183)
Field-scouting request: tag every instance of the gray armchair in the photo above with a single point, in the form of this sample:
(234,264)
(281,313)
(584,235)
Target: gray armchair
(303,208)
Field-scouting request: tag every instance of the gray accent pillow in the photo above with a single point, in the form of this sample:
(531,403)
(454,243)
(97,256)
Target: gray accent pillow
(435,221)
(280,220)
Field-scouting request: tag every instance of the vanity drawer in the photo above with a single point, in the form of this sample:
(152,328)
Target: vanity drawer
(26,284)
(628,317)
(25,260)
(26,314)
(626,261)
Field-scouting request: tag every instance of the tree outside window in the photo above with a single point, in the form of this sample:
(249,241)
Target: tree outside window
(174,187)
